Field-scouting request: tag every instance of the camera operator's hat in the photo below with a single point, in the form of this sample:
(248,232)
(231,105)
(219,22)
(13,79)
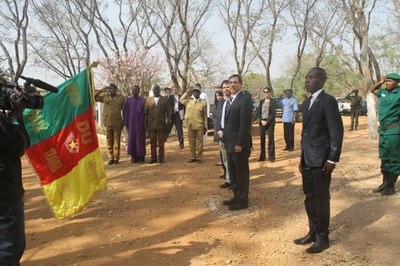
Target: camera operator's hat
(394,76)
(113,86)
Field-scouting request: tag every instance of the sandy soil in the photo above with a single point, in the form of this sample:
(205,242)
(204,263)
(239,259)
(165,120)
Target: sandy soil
(171,214)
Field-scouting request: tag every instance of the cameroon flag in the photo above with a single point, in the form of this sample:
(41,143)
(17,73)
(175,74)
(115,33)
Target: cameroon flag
(64,148)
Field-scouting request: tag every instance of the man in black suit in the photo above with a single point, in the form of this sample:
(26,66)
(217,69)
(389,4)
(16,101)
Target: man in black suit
(237,142)
(266,118)
(321,145)
(177,110)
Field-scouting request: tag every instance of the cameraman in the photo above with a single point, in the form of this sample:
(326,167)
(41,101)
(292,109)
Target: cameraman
(13,142)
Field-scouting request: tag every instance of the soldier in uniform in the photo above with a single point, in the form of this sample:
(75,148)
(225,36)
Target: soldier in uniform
(389,131)
(196,122)
(113,113)
(355,107)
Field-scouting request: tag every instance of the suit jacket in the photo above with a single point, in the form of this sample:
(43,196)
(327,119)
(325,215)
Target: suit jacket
(218,116)
(172,103)
(196,112)
(271,111)
(322,133)
(238,124)
(157,116)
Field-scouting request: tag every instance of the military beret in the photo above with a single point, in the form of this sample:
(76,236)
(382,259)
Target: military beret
(394,76)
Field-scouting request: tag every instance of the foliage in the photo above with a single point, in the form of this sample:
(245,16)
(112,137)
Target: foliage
(340,81)
(254,83)
(131,68)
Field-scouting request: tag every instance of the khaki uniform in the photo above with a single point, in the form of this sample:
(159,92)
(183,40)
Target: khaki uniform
(112,120)
(196,121)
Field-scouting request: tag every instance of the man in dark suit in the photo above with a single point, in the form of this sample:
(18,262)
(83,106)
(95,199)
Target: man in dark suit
(237,142)
(266,118)
(321,145)
(176,115)
(157,117)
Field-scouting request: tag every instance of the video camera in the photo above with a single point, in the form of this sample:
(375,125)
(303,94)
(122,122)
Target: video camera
(27,93)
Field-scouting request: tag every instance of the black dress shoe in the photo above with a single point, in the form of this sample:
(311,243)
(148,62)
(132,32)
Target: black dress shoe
(225,185)
(152,161)
(161,160)
(285,149)
(304,240)
(229,201)
(192,161)
(291,149)
(110,162)
(181,146)
(318,247)
(238,206)
(261,159)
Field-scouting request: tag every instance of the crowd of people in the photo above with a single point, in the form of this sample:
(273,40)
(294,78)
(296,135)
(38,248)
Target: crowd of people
(155,116)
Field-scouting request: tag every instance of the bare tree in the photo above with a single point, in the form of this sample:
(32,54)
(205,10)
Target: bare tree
(62,43)
(14,43)
(264,37)
(301,12)
(241,18)
(175,23)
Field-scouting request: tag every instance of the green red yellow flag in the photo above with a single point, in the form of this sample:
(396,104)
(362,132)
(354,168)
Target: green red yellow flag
(64,147)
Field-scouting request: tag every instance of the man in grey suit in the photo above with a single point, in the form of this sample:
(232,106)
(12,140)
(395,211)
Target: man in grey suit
(321,145)
(237,141)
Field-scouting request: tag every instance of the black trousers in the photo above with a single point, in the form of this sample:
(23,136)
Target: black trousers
(239,172)
(317,203)
(288,133)
(270,130)
(177,121)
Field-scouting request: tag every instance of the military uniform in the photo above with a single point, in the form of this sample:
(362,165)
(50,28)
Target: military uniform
(196,122)
(389,136)
(113,108)
(355,107)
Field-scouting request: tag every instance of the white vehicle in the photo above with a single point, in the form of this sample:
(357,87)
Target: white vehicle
(344,105)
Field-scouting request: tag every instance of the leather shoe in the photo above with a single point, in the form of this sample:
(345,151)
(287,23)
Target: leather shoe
(218,164)
(192,161)
(261,159)
(161,160)
(152,161)
(238,206)
(110,162)
(285,149)
(116,161)
(318,247)
(304,240)
(225,185)
(229,201)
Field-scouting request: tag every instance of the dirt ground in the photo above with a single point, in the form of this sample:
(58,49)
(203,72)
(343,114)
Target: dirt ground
(171,213)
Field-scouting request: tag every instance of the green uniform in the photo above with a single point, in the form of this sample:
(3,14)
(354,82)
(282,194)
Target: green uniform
(389,130)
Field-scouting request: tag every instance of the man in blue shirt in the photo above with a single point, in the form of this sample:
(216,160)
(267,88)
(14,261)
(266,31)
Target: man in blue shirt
(289,112)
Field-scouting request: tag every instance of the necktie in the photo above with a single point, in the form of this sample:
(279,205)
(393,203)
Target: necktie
(227,109)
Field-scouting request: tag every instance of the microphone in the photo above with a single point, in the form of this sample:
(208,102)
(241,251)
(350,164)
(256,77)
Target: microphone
(40,84)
